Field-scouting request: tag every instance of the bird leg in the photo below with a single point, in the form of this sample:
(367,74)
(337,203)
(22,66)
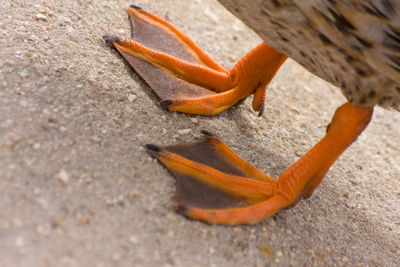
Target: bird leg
(183,76)
(216,186)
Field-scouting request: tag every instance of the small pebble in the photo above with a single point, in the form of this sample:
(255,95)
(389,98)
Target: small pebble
(132,195)
(41,17)
(116,257)
(133,239)
(271,222)
(131,97)
(184,131)
(237,229)
(23,103)
(19,242)
(36,146)
(194,120)
(298,153)
(170,233)
(105,86)
(63,176)
(42,230)
(70,29)
(84,220)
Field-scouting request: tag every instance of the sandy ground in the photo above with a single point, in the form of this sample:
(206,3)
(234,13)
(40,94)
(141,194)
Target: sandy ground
(78,189)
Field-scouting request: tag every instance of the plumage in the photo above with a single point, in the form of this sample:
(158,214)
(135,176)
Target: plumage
(353,44)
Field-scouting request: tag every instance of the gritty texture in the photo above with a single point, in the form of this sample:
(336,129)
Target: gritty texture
(78,189)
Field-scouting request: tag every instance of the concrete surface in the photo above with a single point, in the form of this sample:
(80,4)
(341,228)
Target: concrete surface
(77,188)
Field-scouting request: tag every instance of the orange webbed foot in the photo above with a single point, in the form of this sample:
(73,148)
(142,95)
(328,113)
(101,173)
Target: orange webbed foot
(216,186)
(183,76)
(211,178)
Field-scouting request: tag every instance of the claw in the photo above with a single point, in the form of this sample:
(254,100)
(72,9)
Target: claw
(135,7)
(207,133)
(261,111)
(166,103)
(181,209)
(111,38)
(154,148)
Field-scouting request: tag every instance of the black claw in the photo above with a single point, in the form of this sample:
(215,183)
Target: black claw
(166,103)
(111,38)
(135,7)
(261,111)
(181,209)
(207,133)
(154,148)
(327,128)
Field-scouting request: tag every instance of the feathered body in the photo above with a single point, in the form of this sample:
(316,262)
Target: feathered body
(353,44)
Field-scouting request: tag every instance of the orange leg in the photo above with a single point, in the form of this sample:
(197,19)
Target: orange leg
(181,60)
(263,195)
